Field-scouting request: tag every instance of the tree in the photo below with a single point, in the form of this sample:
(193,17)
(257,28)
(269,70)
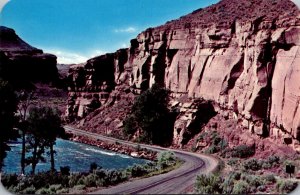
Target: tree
(8,107)
(150,113)
(52,131)
(25,97)
(44,128)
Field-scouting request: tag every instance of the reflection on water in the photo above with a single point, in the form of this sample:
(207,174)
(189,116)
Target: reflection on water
(76,155)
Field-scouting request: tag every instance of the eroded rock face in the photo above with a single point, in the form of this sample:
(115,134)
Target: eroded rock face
(242,55)
(193,114)
(91,83)
(21,63)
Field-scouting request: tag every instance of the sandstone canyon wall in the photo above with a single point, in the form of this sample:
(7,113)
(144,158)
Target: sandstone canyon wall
(242,55)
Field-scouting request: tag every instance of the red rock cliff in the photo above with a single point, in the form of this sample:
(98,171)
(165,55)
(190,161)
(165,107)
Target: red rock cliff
(242,54)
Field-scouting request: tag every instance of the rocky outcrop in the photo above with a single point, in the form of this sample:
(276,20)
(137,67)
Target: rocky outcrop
(91,84)
(21,63)
(193,114)
(242,55)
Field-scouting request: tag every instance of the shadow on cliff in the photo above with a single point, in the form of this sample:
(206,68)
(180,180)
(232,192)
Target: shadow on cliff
(164,136)
(205,111)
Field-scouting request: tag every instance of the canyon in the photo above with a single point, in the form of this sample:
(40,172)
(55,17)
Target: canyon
(243,56)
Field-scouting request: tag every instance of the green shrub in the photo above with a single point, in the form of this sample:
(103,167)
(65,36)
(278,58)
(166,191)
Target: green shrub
(21,185)
(79,187)
(126,174)
(55,187)
(43,179)
(81,181)
(228,183)
(233,161)
(166,159)
(274,159)
(243,151)
(252,164)
(13,189)
(73,179)
(102,177)
(286,186)
(271,162)
(266,165)
(212,149)
(255,181)
(29,190)
(208,184)
(214,134)
(270,178)
(216,140)
(226,153)
(114,176)
(101,182)
(90,180)
(235,175)
(138,170)
(101,173)
(223,144)
(241,187)
(63,191)
(44,191)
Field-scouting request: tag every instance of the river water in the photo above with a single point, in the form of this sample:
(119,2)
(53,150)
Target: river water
(75,155)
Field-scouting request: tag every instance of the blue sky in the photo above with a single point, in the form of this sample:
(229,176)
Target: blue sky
(76,30)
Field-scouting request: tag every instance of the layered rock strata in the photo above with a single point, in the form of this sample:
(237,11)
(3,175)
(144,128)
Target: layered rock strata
(242,55)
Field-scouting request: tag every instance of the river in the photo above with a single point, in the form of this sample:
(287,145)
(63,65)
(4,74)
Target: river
(77,156)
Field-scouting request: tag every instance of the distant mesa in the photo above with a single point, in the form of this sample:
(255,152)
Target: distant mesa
(10,41)
(21,63)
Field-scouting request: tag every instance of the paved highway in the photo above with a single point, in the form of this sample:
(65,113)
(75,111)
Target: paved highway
(178,181)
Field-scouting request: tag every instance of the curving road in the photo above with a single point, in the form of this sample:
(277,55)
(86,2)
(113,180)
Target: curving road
(178,181)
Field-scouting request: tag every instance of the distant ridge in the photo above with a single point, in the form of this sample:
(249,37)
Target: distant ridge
(224,13)
(10,41)
(21,64)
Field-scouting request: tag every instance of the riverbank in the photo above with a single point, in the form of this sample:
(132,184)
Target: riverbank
(136,152)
